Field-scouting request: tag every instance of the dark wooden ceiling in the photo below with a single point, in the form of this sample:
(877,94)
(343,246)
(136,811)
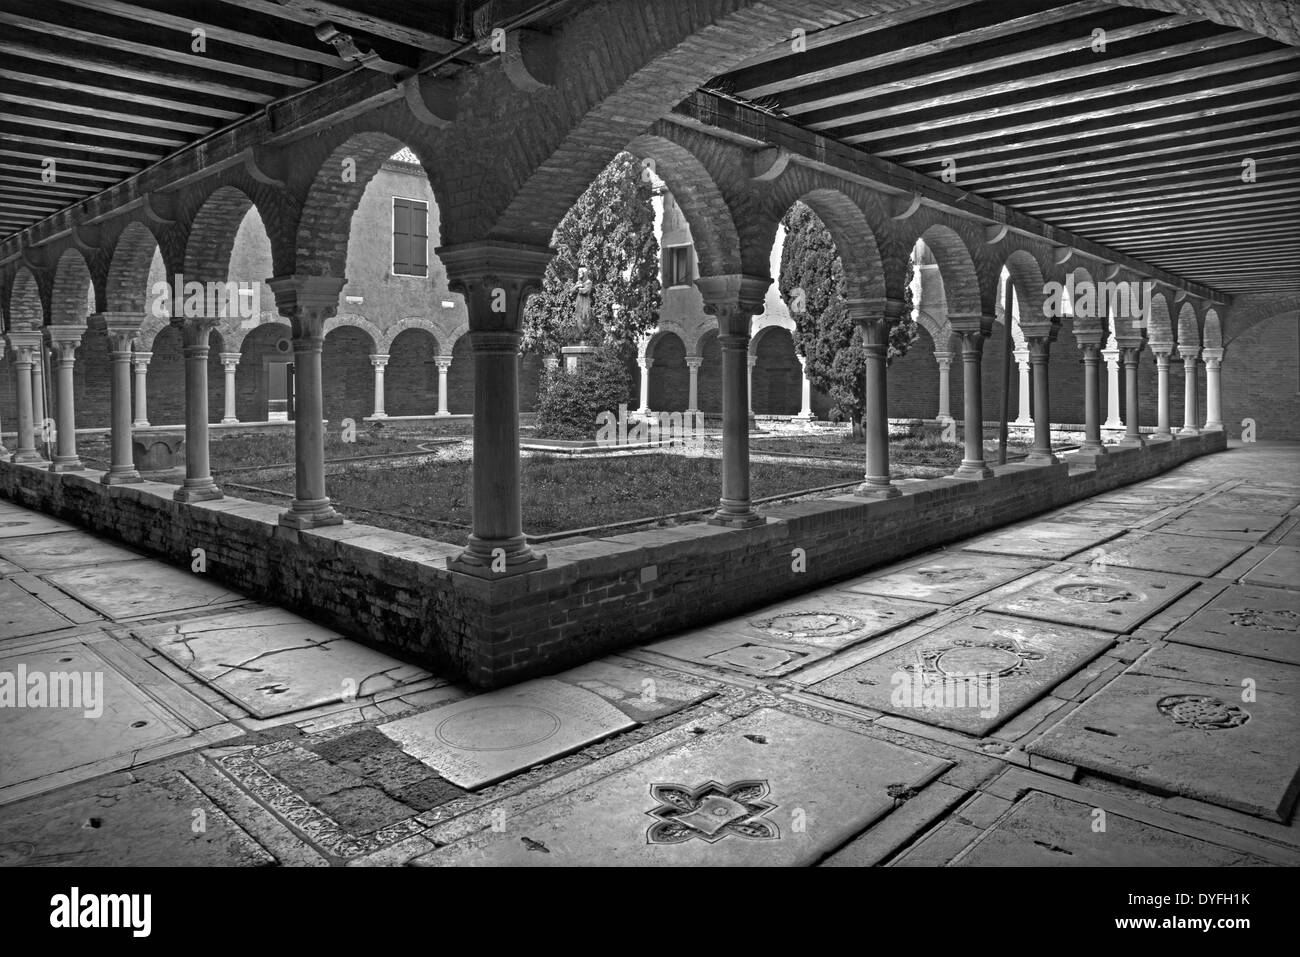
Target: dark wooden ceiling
(1139,147)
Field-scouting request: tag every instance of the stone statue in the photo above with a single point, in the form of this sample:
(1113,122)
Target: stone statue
(583,325)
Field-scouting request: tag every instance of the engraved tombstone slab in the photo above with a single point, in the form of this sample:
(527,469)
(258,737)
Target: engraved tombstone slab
(1239,526)
(64,550)
(1050,540)
(478,741)
(971,676)
(638,692)
(138,588)
(945,579)
(24,614)
(1246,498)
(1279,569)
(1176,722)
(1118,600)
(23,522)
(1158,551)
(1247,620)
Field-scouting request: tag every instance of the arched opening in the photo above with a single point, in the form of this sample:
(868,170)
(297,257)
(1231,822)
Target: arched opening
(778,377)
(347,375)
(411,378)
(262,377)
(670,379)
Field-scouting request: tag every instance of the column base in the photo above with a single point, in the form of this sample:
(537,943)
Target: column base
(806,417)
(197,490)
(877,488)
(313,513)
(1187,431)
(479,561)
(28,458)
(733,514)
(443,414)
(1165,436)
(1213,427)
(1091,450)
(1132,442)
(1036,457)
(1112,426)
(66,463)
(140,424)
(971,470)
(229,421)
(379,415)
(1022,423)
(122,477)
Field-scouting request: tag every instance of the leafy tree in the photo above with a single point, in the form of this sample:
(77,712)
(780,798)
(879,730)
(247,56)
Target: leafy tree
(611,231)
(568,403)
(812,284)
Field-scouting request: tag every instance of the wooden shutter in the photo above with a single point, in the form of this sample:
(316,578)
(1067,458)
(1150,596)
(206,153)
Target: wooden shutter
(401,236)
(419,239)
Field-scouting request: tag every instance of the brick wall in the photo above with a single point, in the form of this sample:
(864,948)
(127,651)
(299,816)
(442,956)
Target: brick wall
(395,592)
(670,380)
(777,375)
(349,377)
(1261,378)
(411,378)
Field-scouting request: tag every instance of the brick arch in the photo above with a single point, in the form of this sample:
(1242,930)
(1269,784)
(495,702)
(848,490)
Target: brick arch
(844,219)
(453,337)
(666,327)
(1213,334)
(1189,332)
(149,330)
(1026,277)
(210,239)
(936,330)
(1160,330)
(73,291)
(389,336)
(778,377)
(200,242)
(26,301)
(357,322)
(131,256)
(961,282)
(708,216)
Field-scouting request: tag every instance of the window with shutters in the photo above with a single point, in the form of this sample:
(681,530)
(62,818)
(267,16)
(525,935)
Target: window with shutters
(678,266)
(410,237)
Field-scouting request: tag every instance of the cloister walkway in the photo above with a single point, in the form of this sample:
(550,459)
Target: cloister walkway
(1113,683)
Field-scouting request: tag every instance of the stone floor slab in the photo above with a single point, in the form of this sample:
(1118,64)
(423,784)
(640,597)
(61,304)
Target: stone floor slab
(1279,568)
(1247,620)
(23,614)
(476,742)
(142,588)
(1176,722)
(27,522)
(945,579)
(1203,522)
(1118,599)
(767,789)
(640,692)
(1161,552)
(1051,540)
(970,676)
(1248,498)
(74,549)
(273,662)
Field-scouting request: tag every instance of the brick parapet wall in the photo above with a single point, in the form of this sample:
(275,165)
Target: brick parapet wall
(394,591)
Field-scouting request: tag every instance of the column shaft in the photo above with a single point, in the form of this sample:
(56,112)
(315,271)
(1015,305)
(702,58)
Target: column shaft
(1039,359)
(141,361)
(973,465)
(1190,418)
(1113,420)
(1092,400)
(22,347)
(443,365)
(875,424)
(1132,411)
(198,485)
(65,339)
(1162,395)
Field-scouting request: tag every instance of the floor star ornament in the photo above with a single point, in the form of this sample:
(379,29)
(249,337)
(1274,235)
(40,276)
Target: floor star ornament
(711,812)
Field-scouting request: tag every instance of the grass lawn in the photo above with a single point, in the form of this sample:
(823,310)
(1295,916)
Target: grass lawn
(559,494)
(928,449)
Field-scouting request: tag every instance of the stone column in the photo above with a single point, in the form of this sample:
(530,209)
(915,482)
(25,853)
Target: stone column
(307,301)
(945,387)
(734,299)
(379,361)
(198,485)
(4,451)
(122,328)
(805,392)
(1162,393)
(141,361)
(24,347)
(230,360)
(64,340)
(1092,444)
(693,364)
(1131,351)
(496,279)
(972,330)
(874,318)
(444,363)
(39,412)
(1024,416)
(1039,359)
(1113,421)
(1213,411)
(645,362)
(1190,418)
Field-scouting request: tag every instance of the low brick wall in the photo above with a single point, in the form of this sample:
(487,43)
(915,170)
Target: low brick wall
(394,591)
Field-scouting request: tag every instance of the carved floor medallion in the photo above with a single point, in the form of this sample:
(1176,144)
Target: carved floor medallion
(803,625)
(945,579)
(1118,600)
(1248,620)
(711,812)
(1202,712)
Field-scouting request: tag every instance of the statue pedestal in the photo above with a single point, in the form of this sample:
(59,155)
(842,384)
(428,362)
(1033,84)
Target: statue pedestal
(575,356)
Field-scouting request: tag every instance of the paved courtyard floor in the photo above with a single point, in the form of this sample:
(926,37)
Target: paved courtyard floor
(1117,682)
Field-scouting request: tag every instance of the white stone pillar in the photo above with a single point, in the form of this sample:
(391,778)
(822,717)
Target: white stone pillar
(230,360)
(972,332)
(945,403)
(39,413)
(805,392)
(64,339)
(1190,418)
(1213,408)
(24,348)
(1039,356)
(141,362)
(122,329)
(379,361)
(444,363)
(1022,366)
(751,361)
(1132,404)
(875,323)
(693,364)
(645,362)
(198,485)
(1162,395)
(1113,421)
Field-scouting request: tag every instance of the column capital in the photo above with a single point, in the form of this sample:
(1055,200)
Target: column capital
(306,301)
(1188,353)
(1162,359)
(496,278)
(121,327)
(64,339)
(379,360)
(971,322)
(229,359)
(734,299)
(1039,348)
(24,342)
(195,331)
(444,362)
(645,361)
(1212,355)
(876,309)
(694,362)
(141,358)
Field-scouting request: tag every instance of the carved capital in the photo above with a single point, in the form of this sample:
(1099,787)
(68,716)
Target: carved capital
(25,344)
(734,299)
(964,323)
(496,278)
(379,361)
(307,301)
(195,332)
(64,340)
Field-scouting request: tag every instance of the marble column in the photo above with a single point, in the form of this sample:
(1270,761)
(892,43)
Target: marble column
(1113,421)
(64,340)
(140,361)
(380,362)
(198,485)
(24,347)
(693,364)
(1092,444)
(1190,418)
(1024,416)
(874,319)
(945,384)
(1162,394)
(307,302)
(972,330)
(646,362)
(1213,402)
(734,299)
(1039,360)
(805,393)
(496,278)
(1132,410)
(444,363)
(41,415)
(122,329)
(750,361)
(229,361)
